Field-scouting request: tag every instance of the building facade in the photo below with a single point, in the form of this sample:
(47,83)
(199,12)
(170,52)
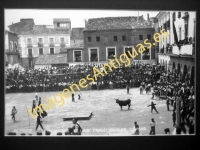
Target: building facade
(112,36)
(180,54)
(75,51)
(44,40)
(12,55)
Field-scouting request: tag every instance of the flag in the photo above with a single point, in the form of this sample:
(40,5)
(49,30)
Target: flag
(175,36)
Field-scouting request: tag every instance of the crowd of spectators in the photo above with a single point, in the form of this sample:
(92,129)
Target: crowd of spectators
(56,79)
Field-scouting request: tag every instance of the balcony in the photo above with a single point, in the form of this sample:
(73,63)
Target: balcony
(40,44)
(184,50)
(162,50)
(29,45)
(62,44)
(186,15)
(51,44)
(30,55)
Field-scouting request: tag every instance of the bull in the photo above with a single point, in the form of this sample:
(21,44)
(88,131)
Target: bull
(124,103)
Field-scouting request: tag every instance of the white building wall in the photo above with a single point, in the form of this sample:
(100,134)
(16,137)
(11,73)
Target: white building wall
(179,22)
(6,41)
(23,43)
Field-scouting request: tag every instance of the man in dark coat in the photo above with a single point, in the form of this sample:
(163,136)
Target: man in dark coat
(39,122)
(174,117)
(167,102)
(153,107)
(73,100)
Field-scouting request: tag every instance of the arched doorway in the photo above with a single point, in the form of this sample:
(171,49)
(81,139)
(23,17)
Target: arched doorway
(192,76)
(179,68)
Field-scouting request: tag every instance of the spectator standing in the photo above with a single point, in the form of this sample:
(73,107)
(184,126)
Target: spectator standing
(13,112)
(152,125)
(136,129)
(174,117)
(79,95)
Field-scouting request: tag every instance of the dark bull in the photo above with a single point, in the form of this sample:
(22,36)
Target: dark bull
(124,103)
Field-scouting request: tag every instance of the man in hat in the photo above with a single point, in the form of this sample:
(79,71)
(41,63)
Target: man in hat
(174,117)
(152,124)
(73,100)
(79,95)
(136,129)
(36,97)
(76,128)
(13,112)
(39,121)
(153,107)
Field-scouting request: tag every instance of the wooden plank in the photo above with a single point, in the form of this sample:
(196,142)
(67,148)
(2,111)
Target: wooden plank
(79,116)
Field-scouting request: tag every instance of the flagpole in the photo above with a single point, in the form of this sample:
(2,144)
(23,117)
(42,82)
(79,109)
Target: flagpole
(28,116)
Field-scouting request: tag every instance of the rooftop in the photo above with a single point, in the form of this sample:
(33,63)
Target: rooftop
(112,23)
(60,20)
(77,33)
(45,31)
(51,59)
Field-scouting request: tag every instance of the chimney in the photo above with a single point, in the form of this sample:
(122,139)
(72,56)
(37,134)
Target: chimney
(148,16)
(85,20)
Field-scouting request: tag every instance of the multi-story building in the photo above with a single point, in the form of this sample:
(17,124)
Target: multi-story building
(178,55)
(105,37)
(12,55)
(75,51)
(44,40)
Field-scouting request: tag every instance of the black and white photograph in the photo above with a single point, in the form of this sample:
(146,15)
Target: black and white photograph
(96,72)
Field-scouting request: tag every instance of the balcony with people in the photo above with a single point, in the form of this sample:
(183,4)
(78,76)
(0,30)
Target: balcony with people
(187,47)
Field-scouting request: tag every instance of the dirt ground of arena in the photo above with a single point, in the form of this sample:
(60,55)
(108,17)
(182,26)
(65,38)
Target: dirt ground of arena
(107,119)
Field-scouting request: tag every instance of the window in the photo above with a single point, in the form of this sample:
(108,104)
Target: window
(62,25)
(29,41)
(77,56)
(93,55)
(140,37)
(115,38)
(15,46)
(130,51)
(89,39)
(174,16)
(51,50)
(29,52)
(123,38)
(58,24)
(111,53)
(11,45)
(149,36)
(106,38)
(62,40)
(40,40)
(98,39)
(179,14)
(74,41)
(51,40)
(179,33)
(40,51)
(146,54)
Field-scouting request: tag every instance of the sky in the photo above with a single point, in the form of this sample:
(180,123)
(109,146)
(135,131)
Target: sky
(77,16)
